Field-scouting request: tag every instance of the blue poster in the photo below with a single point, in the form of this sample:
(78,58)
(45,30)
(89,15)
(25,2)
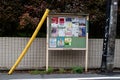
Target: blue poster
(60,42)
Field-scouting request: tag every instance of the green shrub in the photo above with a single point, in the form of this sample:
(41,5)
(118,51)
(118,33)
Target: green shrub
(50,70)
(77,69)
(61,70)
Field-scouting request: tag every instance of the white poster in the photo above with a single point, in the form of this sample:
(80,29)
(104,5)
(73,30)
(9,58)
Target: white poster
(75,31)
(68,29)
(61,32)
(68,32)
(75,20)
(82,20)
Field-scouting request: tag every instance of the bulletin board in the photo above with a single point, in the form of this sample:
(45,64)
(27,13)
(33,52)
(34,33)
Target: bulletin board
(67,31)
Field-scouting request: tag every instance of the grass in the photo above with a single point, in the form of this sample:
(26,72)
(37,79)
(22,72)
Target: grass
(76,69)
(35,72)
(49,71)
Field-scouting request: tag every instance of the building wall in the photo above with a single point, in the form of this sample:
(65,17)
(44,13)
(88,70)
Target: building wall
(11,48)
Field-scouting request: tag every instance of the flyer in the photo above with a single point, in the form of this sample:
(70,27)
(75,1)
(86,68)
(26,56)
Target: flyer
(54,31)
(68,41)
(60,42)
(61,32)
(75,31)
(82,29)
(82,21)
(68,22)
(68,27)
(68,19)
(53,42)
(54,22)
(61,22)
(80,32)
(75,27)
(75,22)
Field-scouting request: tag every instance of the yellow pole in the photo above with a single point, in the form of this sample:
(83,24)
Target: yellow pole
(30,42)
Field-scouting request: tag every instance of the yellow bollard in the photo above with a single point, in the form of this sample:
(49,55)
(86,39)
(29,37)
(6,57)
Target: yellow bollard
(30,42)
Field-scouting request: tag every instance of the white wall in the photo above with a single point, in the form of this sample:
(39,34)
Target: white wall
(11,47)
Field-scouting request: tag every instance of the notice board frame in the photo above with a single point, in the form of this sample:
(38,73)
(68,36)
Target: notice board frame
(67,15)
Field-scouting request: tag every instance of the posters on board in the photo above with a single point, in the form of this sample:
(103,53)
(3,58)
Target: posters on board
(60,42)
(68,41)
(75,27)
(61,32)
(54,27)
(53,42)
(61,22)
(54,31)
(63,29)
(82,27)
(54,22)
(68,27)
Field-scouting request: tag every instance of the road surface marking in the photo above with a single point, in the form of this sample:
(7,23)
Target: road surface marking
(89,78)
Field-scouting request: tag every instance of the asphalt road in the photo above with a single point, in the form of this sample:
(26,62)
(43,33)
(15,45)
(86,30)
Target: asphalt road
(87,76)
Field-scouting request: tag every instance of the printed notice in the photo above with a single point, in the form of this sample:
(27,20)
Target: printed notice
(54,22)
(75,27)
(68,41)
(61,32)
(82,27)
(61,22)
(68,27)
(75,31)
(54,31)
(53,42)
(60,42)
(82,20)
(82,30)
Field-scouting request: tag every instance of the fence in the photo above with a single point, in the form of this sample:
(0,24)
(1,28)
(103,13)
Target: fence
(11,47)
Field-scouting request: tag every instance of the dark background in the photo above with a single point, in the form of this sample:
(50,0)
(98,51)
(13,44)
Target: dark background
(19,18)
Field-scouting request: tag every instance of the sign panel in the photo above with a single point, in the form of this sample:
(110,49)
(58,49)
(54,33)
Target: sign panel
(67,31)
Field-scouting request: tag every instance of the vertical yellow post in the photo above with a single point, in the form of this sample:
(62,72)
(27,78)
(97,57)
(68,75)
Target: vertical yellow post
(30,42)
